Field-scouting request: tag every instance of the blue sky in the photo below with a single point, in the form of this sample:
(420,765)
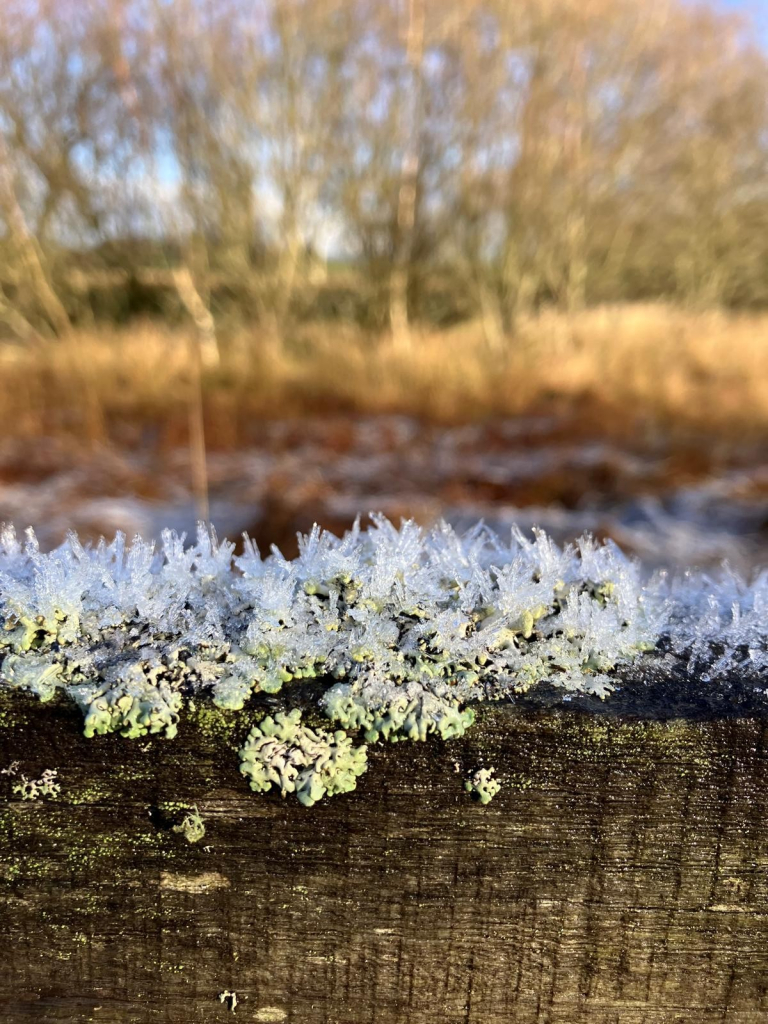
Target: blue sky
(757,8)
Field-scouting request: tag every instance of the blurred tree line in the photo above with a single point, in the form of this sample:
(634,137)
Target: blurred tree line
(385,161)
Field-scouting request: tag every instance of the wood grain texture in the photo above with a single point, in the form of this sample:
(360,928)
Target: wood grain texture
(620,877)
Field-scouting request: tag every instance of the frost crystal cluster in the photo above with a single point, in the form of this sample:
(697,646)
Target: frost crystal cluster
(720,626)
(406,628)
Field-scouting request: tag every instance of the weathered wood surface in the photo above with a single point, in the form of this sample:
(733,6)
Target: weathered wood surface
(620,877)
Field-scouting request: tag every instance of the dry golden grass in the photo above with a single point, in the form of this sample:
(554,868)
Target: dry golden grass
(643,363)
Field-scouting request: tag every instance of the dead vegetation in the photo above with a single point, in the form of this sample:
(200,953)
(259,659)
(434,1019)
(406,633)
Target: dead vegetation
(631,367)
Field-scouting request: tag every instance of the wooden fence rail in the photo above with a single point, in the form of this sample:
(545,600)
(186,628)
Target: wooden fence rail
(619,877)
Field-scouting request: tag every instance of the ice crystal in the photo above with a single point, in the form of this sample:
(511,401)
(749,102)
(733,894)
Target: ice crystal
(720,626)
(406,627)
(415,624)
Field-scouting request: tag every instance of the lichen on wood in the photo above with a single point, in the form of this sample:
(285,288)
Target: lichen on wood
(398,633)
(619,875)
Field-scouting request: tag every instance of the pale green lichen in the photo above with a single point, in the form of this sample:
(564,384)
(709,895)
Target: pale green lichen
(35,789)
(192,826)
(40,674)
(398,713)
(134,705)
(280,751)
(483,785)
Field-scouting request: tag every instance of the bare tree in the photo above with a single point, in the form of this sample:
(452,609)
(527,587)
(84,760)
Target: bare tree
(501,154)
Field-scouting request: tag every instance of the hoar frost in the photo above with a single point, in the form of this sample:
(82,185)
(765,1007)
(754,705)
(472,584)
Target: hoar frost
(720,626)
(408,627)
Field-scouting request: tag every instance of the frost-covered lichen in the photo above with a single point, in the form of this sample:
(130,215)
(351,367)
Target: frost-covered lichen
(310,763)
(39,674)
(231,998)
(483,785)
(405,628)
(416,624)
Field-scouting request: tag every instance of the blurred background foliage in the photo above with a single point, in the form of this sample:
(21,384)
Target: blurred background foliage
(547,215)
(384,162)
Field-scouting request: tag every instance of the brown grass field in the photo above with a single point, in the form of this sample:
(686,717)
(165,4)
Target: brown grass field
(628,368)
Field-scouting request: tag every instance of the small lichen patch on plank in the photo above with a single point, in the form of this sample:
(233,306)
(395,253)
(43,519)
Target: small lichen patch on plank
(205,882)
(270,1015)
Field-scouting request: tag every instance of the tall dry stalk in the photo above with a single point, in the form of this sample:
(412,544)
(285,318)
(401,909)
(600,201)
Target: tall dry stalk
(409,175)
(197,450)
